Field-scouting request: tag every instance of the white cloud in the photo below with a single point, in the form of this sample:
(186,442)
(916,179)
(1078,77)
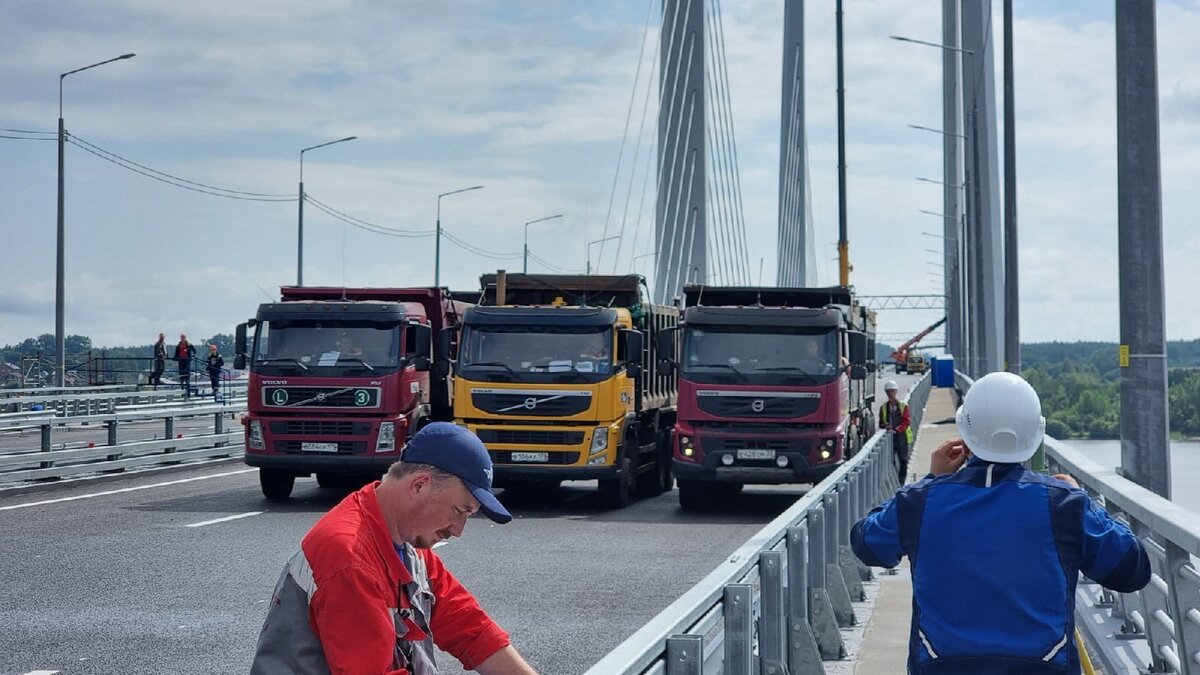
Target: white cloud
(529,100)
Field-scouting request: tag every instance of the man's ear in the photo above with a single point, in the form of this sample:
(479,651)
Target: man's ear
(421,481)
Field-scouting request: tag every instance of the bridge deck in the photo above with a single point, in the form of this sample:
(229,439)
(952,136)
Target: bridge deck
(884,648)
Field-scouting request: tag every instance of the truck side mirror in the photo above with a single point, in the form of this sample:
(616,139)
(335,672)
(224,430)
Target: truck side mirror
(858,348)
(666,345)
(441,352)
(422,337)
(239,347)
(858,372)
(629,347)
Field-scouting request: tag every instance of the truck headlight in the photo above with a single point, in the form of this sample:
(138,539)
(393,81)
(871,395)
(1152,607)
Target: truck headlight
(387,437)
(685,446)
(255,436)
(599,440)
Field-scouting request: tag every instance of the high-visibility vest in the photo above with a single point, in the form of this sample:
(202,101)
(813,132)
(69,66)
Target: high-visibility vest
(883,416)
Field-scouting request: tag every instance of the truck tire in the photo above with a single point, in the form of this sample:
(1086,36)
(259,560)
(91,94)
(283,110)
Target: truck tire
(617,493)
(276,485)
(650,483)
(693,495)
(329,481)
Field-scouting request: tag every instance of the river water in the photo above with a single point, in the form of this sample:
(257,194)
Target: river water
(1185,466)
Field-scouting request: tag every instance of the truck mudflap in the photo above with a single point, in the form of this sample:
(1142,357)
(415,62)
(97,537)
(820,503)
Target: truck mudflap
(797,470)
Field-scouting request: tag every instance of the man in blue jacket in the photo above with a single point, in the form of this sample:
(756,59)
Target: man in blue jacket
(996,549)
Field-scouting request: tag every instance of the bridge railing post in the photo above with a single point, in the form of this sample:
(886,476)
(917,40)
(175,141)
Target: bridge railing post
(111,428)
(739,624)
(47,444)
(1153,605)
(820,607)
(803,656)
(835,581)
(772,618)
(685,655)
(169,431)
(1184,601)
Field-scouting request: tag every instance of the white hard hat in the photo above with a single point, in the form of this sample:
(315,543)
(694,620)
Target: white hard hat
(1001,419)
(891,385)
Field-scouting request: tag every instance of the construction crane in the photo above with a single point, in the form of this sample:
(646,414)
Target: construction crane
(900,355)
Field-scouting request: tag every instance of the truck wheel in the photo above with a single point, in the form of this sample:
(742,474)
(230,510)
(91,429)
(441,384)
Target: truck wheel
(617,493)
(693,495)
(328,481)
(276,485)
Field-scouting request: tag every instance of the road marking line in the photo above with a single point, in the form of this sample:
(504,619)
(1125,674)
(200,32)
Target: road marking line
(128,489)
(43,672)
(225,519)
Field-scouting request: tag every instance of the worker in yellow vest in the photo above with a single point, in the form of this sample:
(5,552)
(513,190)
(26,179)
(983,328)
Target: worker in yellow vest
(893,416)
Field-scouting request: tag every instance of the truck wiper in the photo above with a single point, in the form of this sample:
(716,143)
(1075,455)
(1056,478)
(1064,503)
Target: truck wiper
(492,364)
(355,358)
(720,365)
(287,359)
(790,369)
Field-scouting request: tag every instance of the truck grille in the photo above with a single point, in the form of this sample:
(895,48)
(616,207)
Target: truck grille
(344,448)
(542,404)
(530,437)
(321,397)
(758,406)
(560,458)
(321,428)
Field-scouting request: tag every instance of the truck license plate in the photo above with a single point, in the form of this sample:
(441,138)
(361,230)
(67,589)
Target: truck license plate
(755,453)
(318,447)
(531,457)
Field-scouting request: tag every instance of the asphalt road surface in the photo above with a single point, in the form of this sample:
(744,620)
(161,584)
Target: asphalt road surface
(133,582)
(170,571)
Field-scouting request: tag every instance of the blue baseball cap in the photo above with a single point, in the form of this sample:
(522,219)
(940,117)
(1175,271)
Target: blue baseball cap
(456,450)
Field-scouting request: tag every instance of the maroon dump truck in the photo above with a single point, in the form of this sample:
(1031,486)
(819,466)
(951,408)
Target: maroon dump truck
(340,378)
(775,386)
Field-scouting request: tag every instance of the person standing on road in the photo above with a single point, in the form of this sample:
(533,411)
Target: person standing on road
(1000,547)
(160,360)
(893,416)
(366,593)
(215,362)
(184,353)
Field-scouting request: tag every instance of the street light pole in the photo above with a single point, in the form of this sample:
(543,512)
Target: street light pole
(437,240)
(300,217)
(525,259)
(60,291)
(589,250)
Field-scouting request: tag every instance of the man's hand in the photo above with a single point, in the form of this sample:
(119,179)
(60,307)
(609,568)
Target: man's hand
(949,457)
(1066,478)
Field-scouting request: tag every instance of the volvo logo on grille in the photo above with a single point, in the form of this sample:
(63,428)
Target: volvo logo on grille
(531,403)
(758,405)
(321,397)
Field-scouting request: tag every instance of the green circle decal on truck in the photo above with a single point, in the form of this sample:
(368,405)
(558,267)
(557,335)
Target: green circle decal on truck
(362,397)
(279,396)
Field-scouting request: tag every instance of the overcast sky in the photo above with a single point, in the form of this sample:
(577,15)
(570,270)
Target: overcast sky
(529,99)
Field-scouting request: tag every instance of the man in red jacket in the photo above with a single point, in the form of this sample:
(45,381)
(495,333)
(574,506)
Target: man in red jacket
(367,594)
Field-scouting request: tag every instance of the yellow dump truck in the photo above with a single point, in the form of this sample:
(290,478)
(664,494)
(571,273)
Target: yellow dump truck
(558,375)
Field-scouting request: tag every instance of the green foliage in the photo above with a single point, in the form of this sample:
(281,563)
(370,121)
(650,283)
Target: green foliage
(1079,384)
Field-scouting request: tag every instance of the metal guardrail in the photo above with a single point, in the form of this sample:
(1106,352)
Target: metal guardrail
(48,462)
(67,402)
(776,604)
(1165,614)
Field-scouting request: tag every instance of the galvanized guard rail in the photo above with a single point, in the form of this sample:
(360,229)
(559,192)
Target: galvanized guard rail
(777,603)
(66,402)
(47,462)
(1164,616)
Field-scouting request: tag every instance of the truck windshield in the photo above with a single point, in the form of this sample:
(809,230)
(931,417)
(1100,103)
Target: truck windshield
(326,348)
(516,353)
(766,355)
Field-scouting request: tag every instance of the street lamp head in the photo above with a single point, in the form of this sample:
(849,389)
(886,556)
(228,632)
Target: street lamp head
(122,57)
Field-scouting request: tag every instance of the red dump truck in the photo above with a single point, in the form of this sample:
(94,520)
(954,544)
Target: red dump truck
(340,378)
(776,385)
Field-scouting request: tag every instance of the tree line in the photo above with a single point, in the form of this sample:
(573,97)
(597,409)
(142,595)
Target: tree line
(1079,384)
